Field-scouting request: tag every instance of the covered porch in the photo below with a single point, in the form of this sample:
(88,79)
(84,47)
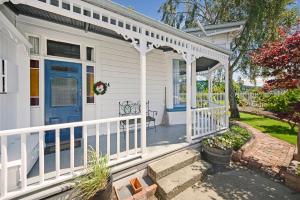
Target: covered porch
(36,165)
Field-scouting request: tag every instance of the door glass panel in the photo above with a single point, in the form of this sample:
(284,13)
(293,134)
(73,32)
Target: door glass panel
(64,91)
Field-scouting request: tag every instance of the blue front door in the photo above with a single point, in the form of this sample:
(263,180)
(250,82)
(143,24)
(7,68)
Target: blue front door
(63,98)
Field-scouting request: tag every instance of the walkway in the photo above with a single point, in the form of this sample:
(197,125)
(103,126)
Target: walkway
(266,152)
(238,183)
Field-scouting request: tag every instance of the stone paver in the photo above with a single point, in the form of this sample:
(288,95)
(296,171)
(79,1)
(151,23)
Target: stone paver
(268,153)
(238,183)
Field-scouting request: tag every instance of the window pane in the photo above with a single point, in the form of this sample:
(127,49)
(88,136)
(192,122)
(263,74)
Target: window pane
(63,91)
(63,49)
(179,83)
(90,53)
(90,84)
(34,82)
(35,42)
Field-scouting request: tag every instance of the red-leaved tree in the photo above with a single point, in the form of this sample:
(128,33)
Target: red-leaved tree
(281,63)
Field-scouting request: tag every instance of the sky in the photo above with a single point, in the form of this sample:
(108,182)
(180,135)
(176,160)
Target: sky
(147,7)
(150,9)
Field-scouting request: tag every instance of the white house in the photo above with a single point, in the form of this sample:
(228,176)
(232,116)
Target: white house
(52,54)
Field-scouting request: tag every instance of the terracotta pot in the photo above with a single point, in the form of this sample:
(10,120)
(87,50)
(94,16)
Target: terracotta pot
(217,156)
(105,194)
(136,185)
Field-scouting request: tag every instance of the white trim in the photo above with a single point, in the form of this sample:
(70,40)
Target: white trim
(14,33)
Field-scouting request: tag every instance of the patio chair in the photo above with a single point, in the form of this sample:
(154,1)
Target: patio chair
(128,108)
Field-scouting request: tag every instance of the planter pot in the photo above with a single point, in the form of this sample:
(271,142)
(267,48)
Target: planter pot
(217,156)
(106,193)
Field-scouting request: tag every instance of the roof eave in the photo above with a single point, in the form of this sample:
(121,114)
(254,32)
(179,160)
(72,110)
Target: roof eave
(124,11)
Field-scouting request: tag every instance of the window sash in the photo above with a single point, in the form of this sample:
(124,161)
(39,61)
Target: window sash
(34,82)
(179,83)
(90,76)
(3,76)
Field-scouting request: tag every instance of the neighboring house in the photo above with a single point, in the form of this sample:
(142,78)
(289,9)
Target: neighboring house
(221,35)
(53,51)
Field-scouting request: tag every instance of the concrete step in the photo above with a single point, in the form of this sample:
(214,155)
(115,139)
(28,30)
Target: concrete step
(170,164)
(173,184)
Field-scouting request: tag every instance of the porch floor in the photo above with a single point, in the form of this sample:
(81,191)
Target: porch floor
(165,137)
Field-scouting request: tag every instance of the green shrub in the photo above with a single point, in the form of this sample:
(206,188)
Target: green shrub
(234,139)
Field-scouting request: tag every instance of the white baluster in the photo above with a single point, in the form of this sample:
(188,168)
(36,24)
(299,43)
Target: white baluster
(41,156)
(202,124)
(194,122)
(97,139)
(3,187)
(57,152)
(72,147)
(135,134)
(198,123)
(24,161)
(118,140)
(127,137)
(108,139)
(85,146)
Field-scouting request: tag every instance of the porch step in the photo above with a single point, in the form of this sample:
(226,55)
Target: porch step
(178,181)
(170,164)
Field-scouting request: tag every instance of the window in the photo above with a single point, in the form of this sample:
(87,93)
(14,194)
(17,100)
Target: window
(3,76)
(179,83)
(34,82)
(90,54)
(90,84)
(63,49)
(64,91)
(35,42)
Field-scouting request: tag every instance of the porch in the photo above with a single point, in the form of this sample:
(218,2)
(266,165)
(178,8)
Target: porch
(64,161)
(29,164)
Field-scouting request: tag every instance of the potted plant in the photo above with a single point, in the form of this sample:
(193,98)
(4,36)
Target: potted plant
(218,149)
(97,183)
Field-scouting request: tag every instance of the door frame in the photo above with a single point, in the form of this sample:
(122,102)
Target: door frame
(81,79)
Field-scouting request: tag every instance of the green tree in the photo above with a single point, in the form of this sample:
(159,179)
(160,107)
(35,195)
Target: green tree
(262,19)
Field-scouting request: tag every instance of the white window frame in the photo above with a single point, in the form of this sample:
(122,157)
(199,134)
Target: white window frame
(3,76)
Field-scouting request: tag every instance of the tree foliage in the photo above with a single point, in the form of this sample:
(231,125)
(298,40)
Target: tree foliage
(281,59)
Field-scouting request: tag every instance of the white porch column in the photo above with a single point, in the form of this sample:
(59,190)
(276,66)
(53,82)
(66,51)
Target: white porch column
(194,85)
(143,51)
(226,66)
(188,58)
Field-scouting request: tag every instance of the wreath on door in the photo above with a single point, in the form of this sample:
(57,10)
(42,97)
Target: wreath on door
(100,88)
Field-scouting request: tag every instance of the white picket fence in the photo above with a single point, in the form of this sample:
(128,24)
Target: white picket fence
(46,179)
(206,121)
(217,99)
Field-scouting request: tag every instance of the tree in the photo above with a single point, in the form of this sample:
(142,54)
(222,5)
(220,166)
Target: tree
(262,17)
(281,58)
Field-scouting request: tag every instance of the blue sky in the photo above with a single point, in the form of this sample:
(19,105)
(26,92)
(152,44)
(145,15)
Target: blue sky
(147,7)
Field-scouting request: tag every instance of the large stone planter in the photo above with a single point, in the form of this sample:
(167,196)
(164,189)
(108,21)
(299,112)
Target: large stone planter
(217,156)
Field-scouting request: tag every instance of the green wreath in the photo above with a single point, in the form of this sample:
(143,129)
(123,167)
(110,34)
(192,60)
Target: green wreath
(100,88)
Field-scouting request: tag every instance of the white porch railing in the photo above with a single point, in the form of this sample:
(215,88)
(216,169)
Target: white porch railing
(44,179)
(208,120)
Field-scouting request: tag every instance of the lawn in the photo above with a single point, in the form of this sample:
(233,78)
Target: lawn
(273,127)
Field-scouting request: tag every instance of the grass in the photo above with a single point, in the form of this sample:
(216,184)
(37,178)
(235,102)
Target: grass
(275,128)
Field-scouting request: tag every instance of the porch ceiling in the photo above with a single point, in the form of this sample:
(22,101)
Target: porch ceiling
(203,64)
